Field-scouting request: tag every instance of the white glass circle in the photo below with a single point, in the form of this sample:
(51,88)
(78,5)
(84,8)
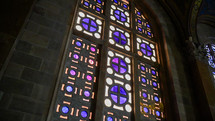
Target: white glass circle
(113,18)
(127,34)
(112,28)
(108,102)
(127,48)
(128,108)
(152,46)
(128,87)
(139,40)
(127,60)
(81,14)
(110,71)
(79,28)
(153,59)
(127,25)
(126,13)
(128,77)
(111,41)
(110,53)
(112,6)
(99,22)
(97,35)
(109,81)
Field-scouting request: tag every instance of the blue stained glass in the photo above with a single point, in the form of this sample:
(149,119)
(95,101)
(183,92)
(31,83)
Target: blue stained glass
(123,63)
(92,29)
(123,36)
(123,42)
(138,13)
(116,1)
(89,24)
(139,29)
(149,53)
(153,72)
(122,91)
(116,33)
(156,98)
(84,114)
(119,38)
(123,100)
(149,33)
(149,48)
(69,89)
(123,19)
(85,26)
(143,45)
(116,39)
(146,110)
(114,97)
(116,68)
(117,12)
(142,68)
(144,51)
(122,70)
(98,9)
(65,109)
(154,84)
(93,23)
(143,80)
(120,15)
(158,113)
(139,21)
(148,25)
(99,1)
(123,15)
(125,6)
(145,95)
(86,20)
(109,119)
(78,43)
(114,89)
(86,3)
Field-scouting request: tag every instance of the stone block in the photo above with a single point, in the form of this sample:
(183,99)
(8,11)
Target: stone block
(23,46)
(41,92)
(48,66)
(14,70)
(32,26)
(11,85)
(35,38)
(26,60)
(7,115)
(42,20)
(5,101)
(37,77)
(27,105)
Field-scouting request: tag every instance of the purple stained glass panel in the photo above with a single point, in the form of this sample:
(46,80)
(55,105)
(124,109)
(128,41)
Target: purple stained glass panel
(143,80)
(146,110)
(145,95)
(109,118)
(114,98)
(122,91)
(89,24)
(156,98)
(76,56)
(72,72)
(120,16)
(69,89)
(84,114)
(78,44)
(87,93)
(123,100)
(114,89)
(65,109)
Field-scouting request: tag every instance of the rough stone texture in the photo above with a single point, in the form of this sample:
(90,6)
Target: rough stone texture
(28,81)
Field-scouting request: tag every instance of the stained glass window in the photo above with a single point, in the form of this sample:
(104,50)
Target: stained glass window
(77,88)
(119,38)
(210,49)
(87,81)
(146,49)
(151,105)
(89,24)
(120,12)
(142,25)
(95,5)
(118,95)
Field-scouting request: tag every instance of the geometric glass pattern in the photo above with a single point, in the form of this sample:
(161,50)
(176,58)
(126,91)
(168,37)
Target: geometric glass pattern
(118,89)
(151,105)
(95,5)
(146,49)
(89,24)
(76,96)
(120,13)
(210,49)
(119,38)
(142,25)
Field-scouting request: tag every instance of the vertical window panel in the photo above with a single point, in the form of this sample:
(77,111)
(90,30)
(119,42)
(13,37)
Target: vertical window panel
(120,38)
(95,5)
(120,13)
(89,24)
(76,94)
(118,88)
(146,49)
(143,27)
(151,106)
(210,49)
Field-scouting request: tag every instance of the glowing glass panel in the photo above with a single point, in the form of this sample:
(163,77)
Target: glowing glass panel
(119,38)
(146,49)
(118,96)
(89,24)
(76,95)
(142,25)
(151,105)
(94,5)
(120,12)
(210,49)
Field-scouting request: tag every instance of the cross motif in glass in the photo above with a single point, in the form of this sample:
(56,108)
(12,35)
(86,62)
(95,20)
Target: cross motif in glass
(89,24)
(118,94)
(120,15)
(119,37)
(146,49)
(119,65)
